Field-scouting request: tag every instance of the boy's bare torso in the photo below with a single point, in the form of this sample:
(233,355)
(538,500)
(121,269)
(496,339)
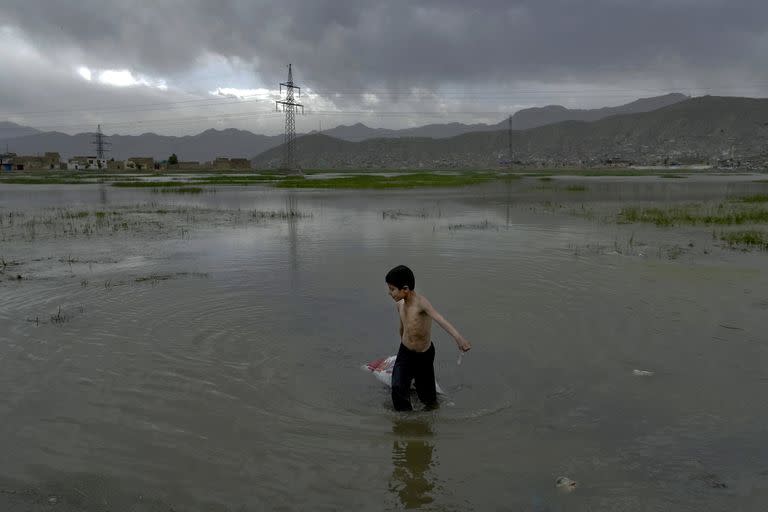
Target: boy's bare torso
(415,323)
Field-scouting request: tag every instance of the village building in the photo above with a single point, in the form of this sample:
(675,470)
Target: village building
(221,164)
(115,165)
(229,164)
(239,163)
(185,166)
(6,161)
(14,162)
(86,163)
(140,163)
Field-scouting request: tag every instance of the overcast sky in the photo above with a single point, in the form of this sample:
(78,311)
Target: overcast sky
(181,66)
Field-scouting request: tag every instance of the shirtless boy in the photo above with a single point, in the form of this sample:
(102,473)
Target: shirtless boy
(416,355)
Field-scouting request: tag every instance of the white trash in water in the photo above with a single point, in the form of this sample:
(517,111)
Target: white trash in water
(642,373)
(565,484)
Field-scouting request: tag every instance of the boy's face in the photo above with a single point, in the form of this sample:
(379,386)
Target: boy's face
(396,293)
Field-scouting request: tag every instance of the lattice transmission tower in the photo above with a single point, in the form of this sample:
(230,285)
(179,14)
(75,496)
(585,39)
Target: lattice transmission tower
(289,107)
(102,146)
(509,139)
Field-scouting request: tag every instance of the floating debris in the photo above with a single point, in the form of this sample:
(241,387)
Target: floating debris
(710,480)
(565,484)
(642,373)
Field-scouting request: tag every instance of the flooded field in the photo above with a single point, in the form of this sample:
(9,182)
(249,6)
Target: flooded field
(203,351)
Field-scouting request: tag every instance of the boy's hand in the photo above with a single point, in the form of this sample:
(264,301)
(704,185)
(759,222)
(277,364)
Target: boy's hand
(463,344)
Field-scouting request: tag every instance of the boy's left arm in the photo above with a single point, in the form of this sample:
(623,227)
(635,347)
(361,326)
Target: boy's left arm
(462,342)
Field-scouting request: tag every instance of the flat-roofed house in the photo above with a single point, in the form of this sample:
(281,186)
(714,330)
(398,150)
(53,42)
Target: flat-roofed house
(140,163)
(86,163)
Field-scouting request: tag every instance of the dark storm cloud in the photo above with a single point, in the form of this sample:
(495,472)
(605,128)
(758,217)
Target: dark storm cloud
(459,54)
(367,43)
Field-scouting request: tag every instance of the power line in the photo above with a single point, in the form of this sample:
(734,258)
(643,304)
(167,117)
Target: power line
(410,93)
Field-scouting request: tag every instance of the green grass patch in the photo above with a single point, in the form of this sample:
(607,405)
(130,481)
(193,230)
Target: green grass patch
(608,172)
(749,238)
(545,178)
(576,188)
(671,176)
(147,184)
(75,215)
(692,215)
(43,181)
(238,180)
(756,198)
(382,182)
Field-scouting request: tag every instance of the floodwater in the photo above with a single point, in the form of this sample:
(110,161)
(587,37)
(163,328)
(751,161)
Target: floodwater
(184,353)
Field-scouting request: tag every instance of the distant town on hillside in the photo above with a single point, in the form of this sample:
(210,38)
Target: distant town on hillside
(669,130)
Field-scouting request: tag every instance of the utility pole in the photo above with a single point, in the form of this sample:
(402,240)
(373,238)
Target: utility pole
(289,107)
(100,141)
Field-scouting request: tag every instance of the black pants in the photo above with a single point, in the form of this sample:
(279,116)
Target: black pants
(413,366)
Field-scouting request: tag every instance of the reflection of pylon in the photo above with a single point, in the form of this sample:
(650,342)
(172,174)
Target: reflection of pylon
(289,107)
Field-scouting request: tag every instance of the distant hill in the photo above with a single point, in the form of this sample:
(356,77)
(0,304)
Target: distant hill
(10,130)
(695,130)
(521,120)
(541,116)
(201,147)
(359,131)
(699,128)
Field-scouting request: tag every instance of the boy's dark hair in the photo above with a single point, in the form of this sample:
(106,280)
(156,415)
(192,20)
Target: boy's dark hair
(400,277)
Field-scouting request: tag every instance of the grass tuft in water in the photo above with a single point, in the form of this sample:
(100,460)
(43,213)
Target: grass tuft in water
(475,227)
(178,190)
(748,238)
(692,215)
(576,188)
(75,215)
(756,198)
(280,214)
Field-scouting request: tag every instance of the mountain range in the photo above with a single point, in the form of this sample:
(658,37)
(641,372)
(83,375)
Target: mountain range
(231,142)
(11,130)
(692,131)
(521,120)
(204,146)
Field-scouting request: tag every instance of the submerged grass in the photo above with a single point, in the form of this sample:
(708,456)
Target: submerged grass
(261,215)
(178,190)
(693,215)
(756,198)
(576,188)
(749,238)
